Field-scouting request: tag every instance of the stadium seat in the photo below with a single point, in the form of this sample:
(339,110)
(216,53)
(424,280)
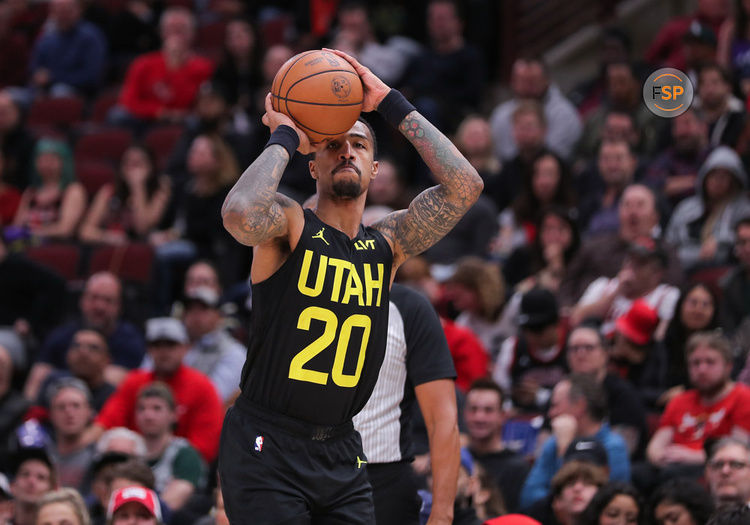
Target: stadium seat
(102,105)
(61,112)
(131,262)
(95,174)
(103,145)
(161,141)
(62,258)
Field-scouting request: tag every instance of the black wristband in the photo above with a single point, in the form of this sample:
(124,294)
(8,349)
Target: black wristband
(285,137)
(394,107)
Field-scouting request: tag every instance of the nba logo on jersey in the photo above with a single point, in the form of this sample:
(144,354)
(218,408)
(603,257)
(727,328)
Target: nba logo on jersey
(258,443)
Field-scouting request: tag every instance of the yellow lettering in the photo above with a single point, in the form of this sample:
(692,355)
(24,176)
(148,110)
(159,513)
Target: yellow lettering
(304,275)
(373,284)
(370,243)
(353,287)
(338,277)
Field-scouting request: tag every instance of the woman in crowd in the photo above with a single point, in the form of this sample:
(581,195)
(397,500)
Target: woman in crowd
(543,263)
(615,503)
(238,73)
(130,208)
(696,310)
(549,185)
(476,289)
(62,507)
(198,231)
(54,204)
(680,501)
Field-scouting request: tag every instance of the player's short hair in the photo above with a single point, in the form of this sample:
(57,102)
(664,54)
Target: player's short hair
(364,121)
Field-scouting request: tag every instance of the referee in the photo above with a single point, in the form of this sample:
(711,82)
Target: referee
(417,364)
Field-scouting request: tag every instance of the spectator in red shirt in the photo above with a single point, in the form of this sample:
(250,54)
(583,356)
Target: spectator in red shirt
(162,85)
(469,356)
(715,407)
(199,413)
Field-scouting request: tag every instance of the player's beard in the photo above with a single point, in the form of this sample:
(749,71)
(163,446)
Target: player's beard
(345,188)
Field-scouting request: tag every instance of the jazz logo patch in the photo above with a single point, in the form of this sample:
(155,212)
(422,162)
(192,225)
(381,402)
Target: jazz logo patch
(258,443)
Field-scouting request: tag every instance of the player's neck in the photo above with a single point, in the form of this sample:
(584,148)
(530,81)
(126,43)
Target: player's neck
(344,215)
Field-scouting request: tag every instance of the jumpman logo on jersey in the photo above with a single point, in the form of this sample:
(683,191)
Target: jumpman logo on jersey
(360,462)
(319,235)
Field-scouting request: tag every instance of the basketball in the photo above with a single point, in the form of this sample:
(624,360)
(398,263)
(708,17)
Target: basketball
(320,92)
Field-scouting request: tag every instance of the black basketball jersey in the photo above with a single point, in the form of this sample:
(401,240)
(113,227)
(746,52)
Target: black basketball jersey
(319,326)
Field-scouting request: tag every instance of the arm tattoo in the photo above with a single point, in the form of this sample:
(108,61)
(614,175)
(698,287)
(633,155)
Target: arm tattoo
(252,211)
(435,211)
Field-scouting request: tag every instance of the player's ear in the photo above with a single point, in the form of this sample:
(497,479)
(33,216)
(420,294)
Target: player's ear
(311,167)
(375,166)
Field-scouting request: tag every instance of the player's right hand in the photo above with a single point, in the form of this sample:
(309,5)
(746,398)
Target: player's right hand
(273,119)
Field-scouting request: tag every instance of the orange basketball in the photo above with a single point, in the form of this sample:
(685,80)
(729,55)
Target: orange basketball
(320,92)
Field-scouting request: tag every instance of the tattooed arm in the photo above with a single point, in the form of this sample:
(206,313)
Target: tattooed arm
(435,211)
(253,212)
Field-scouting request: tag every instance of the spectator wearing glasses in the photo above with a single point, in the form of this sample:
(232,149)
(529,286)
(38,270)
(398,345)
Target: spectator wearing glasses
(728,471)
(587,354)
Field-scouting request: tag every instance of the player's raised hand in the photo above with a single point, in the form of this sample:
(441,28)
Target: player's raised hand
(375,89)
(273,119)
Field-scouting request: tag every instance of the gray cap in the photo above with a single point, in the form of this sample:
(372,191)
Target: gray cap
(165,329)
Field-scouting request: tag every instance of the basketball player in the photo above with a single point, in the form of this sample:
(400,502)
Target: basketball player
(289,452)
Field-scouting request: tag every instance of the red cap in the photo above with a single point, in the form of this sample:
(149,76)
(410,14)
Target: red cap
(512,519)
(639,323)
(142,495)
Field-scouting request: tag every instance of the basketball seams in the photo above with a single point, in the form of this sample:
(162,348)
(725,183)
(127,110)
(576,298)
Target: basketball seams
(281,81)
(281,99)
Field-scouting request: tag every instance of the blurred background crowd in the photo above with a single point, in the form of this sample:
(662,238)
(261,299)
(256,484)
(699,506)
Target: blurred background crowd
(596,299)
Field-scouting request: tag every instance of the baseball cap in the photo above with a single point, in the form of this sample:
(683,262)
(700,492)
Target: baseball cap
(702,33)
(142,495)
(538,309)
(588,450)
(165,329)
(203,294)
(639,323)
(648,248)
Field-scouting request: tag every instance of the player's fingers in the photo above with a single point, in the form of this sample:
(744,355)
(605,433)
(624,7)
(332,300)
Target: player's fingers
(269,103)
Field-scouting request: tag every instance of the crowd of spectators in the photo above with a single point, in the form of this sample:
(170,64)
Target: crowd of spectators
(596,299)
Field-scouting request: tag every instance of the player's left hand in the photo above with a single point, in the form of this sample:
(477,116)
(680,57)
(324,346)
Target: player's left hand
(375,89)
